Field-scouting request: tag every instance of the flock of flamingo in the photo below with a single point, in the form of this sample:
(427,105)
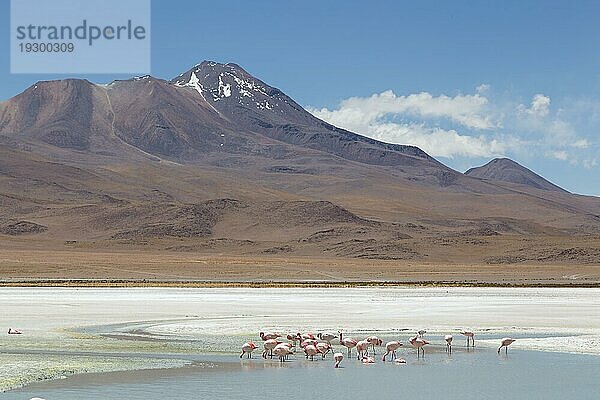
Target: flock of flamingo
(321,344)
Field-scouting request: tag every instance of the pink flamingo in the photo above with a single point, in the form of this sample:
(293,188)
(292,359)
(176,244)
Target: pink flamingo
(311,351)
(448,339)
(269,346)
(374,341)
(248,348)
(327,336)
(289,346)
(362,349)
(304,336)
(269,335)
(505,343)
(323,348)
(368,360)
(292,338)
(306,342)
(349,343)
(282,350)
(13,331)
(338,357)
(391,348)
(470,335)
(418,343)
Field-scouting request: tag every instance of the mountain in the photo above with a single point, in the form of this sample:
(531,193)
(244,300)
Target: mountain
(200,112)
(217,161)
(254,106)
(506,170)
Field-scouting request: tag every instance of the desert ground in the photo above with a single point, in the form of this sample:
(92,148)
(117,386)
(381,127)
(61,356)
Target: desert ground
(51,263)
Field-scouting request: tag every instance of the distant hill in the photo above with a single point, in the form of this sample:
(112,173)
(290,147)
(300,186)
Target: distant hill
(507,170)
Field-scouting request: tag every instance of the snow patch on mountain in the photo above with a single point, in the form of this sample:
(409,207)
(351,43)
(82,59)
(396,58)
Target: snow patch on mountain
(224,88)
(194,82)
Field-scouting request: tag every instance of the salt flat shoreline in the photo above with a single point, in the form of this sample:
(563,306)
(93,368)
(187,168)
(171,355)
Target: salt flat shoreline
(75,329)
(118,283)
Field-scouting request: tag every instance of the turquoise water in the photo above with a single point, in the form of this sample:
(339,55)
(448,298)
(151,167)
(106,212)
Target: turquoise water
(479,374)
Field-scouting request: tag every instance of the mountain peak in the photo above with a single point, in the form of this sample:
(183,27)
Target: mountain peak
(230,83)
(257,107)
(215,64)
(507,170)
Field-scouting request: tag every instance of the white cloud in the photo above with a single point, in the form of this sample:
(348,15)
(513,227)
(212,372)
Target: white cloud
(589,163)
(558,154)
(540,106)
(436,141)
(580,144)
(483,88)
(466,110)
(465,125)
(371,116)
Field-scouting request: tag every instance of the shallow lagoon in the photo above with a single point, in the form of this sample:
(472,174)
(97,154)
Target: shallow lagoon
(481,374)
(75,333)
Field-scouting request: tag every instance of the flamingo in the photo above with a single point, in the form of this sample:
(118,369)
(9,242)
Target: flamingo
(362,349)
(269,346)
(505,343)
(289,346)
(349,343)
(338,357)
(418,343)
(292,338)
(448,339)
(470,335)
(368,360)
(304,336)
(282,350)
(323,348)
(269,335)
(310,351)
(248,348)
(13,331)
(421,333)
(391,348)
(306,342)
(327,336)
(374,341)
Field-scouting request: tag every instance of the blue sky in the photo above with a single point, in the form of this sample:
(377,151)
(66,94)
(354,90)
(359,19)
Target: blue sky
(466,80)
